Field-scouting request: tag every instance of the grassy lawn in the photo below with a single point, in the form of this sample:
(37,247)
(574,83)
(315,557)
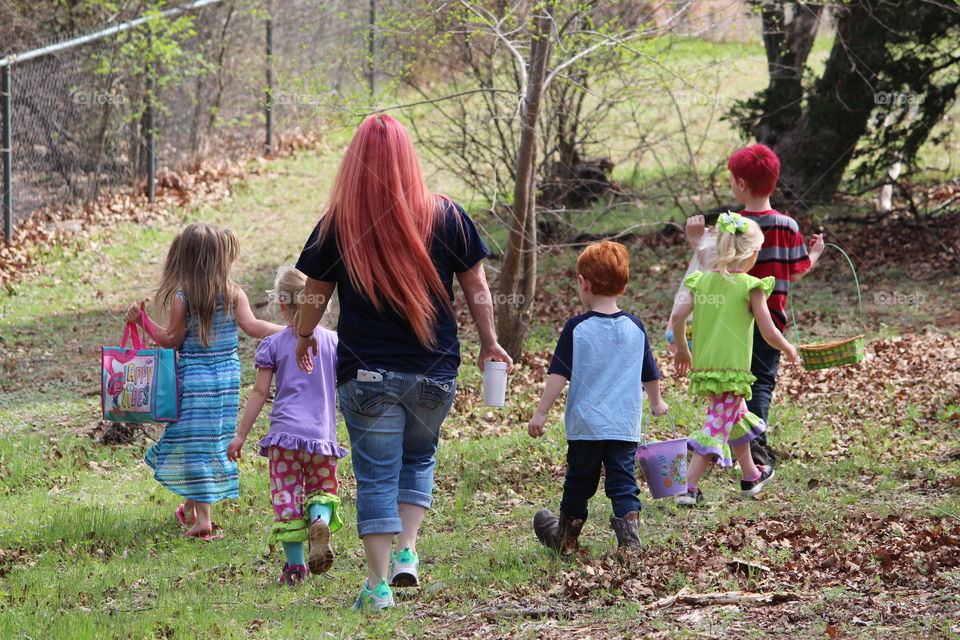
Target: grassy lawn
(859,534)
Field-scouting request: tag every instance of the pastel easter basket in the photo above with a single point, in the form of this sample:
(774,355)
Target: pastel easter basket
(840,352)
(664,464)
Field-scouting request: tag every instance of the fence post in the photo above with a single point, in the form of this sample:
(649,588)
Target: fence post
(268,92)
(7,151)
(151,155)
(372,48)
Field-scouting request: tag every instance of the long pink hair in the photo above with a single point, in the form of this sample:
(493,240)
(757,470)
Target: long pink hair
(384,216)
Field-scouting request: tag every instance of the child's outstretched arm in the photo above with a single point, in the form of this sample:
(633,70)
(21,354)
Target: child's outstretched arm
(249,323)
(769,331)
(170,336)
(555,384)
(261,388)
(678,323)
(815,251)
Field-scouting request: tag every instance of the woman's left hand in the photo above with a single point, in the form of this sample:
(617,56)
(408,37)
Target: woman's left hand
(495,352)
(306,347)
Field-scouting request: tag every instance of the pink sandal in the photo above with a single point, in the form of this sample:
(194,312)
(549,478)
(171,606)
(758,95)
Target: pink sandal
(181,516)
(208,537)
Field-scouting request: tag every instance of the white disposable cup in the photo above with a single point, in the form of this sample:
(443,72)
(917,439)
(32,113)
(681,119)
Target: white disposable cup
(494,383)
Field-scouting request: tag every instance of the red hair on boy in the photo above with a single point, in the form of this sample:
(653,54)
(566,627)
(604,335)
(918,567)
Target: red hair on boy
(758,166)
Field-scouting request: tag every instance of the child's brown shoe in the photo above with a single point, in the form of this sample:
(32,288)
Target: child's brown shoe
(559,533)
(626,529)
(321,553)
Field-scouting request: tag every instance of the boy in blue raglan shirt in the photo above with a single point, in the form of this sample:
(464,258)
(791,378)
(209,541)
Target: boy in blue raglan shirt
(605,355)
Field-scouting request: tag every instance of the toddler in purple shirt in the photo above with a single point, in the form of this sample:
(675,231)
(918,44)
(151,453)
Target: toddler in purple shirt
(302,442)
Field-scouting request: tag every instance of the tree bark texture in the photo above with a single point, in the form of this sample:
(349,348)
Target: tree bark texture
(880,49)
(518,276)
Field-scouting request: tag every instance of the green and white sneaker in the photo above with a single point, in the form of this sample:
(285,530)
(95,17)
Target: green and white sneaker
(404,568)
(373,600)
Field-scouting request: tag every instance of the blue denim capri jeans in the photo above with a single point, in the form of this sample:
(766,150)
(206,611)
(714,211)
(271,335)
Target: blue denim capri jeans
(394,427)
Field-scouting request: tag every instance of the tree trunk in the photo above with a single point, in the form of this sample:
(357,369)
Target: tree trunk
(815,151)
(518,276)
(883,53)
(788,46)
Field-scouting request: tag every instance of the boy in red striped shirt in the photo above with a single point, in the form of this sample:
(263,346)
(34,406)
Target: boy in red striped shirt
(753,176)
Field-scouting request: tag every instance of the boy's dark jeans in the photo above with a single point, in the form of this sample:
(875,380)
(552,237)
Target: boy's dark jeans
(766,361)
(584,460)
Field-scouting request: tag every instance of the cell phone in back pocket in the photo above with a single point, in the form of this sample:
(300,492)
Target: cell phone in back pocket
(369,376)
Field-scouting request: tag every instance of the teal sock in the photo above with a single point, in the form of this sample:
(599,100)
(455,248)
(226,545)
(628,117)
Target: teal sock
(324,511)
(294,552)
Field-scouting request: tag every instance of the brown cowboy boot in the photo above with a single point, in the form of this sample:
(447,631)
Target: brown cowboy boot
(628,537)
(558,533)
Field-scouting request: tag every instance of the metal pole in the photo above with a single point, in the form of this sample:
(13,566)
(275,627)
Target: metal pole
(151,156)
(6,148)
(372,48)
(268,92)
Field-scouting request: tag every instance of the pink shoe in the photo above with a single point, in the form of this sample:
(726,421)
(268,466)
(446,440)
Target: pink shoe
(181,516)
(293,574)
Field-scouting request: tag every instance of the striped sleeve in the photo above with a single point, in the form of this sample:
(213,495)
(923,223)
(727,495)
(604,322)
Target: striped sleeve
(783,246)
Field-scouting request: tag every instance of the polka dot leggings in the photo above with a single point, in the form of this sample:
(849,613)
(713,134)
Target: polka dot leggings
(294,476)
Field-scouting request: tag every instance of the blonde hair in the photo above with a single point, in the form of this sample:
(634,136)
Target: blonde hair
(288,290)
(199,263)
(734,248)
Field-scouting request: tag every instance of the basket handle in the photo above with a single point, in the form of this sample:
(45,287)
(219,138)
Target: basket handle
(645,424)
(856,281)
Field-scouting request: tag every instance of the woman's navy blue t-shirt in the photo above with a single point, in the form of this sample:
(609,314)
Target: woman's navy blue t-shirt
(382,339)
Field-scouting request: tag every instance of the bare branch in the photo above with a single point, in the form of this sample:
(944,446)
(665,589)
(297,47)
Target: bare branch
(495,29)
(433,100)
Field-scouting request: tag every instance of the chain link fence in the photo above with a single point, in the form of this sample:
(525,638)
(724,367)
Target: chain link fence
(214,79)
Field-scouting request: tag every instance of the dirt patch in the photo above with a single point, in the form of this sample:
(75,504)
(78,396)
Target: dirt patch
(924,246)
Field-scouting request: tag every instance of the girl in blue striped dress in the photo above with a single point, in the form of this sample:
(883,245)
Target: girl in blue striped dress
(205,310)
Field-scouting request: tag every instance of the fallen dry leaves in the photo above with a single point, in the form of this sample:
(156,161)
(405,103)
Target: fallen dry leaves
(862,552)
(907,386)
(918,369)
(205,181)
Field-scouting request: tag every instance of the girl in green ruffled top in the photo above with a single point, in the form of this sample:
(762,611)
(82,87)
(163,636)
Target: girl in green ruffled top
(725,302)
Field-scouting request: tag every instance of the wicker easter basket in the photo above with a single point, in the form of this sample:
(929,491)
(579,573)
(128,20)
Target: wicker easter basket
(841,352)
(834,354)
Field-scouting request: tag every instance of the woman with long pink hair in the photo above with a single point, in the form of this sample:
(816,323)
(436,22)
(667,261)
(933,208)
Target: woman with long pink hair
(391,248)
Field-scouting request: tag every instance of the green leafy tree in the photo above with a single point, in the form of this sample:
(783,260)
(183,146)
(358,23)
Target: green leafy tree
(890,77)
